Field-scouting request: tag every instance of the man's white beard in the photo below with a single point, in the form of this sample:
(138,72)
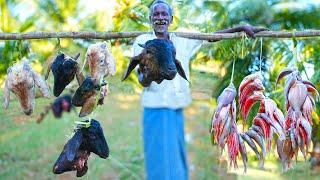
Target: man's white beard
(158,26)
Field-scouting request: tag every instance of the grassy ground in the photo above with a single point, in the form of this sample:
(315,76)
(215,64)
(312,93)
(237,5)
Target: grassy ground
(28,150)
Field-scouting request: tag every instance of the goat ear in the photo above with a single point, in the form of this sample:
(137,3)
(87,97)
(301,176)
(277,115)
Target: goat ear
(142,45)
(85,62)
(26,66)
(41,84)
(60,56)
(9,70)
(103,45)
(180,70)
(76,57)
(48,72)
(79,75)
(73,145)
(6,94)
(133,63)
(88,106)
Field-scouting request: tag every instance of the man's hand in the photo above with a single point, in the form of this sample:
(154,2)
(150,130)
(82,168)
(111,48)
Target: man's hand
(248,29)
(251,30)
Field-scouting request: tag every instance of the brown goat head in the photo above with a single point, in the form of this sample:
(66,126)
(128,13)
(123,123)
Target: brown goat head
(86,95)
(156,62)
(21,80)
(100,60)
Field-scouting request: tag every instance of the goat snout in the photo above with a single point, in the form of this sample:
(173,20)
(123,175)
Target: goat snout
(170,73)
(28,111)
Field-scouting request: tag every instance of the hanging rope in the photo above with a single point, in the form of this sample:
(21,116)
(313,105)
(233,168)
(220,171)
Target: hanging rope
(242,45)
(295,55)
(58,46)
(234,57)
(18,48)
(260,56)
(232,73)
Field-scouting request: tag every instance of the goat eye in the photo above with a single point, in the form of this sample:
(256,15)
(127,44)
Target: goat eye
(30,86)
(101,61)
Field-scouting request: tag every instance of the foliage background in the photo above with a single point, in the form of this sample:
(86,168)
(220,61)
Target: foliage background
(211,71)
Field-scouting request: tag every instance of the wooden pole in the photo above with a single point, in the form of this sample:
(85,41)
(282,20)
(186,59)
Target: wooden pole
(120,35)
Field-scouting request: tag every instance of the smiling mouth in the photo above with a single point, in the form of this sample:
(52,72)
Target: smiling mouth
(160,22)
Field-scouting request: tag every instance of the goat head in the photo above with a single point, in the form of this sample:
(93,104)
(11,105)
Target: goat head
(76,152)
(86,96)
(100,60)
(156,62)
(21,80)
(60,104)
(64,68)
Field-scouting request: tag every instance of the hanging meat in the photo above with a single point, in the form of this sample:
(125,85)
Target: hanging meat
(87,95)
(101,64)
(268,120)
(76,151)
(59,105)
(224,128)
(156,62)
(300,102)
(64,68)
(21,80)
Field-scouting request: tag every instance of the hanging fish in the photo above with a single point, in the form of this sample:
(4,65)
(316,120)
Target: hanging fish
(300,97)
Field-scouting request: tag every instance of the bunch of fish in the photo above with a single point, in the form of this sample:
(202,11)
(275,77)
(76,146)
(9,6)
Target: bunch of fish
(268,120)
(300,98)
(224,128)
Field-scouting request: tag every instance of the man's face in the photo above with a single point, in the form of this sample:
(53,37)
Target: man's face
(160,18)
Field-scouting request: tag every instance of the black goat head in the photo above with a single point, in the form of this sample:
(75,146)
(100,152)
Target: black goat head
(86,95)
(64,68)
(60,105)
(156,62)
(76,152)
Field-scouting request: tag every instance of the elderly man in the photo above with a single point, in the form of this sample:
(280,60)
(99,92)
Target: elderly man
(163,121)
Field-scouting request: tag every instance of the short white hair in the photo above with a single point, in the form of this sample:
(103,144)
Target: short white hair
(160,2)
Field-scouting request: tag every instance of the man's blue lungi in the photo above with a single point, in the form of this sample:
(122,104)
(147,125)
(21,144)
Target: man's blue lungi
(164,144)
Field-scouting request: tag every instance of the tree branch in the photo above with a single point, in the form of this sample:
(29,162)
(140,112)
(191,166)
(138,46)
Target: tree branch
(120,35)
